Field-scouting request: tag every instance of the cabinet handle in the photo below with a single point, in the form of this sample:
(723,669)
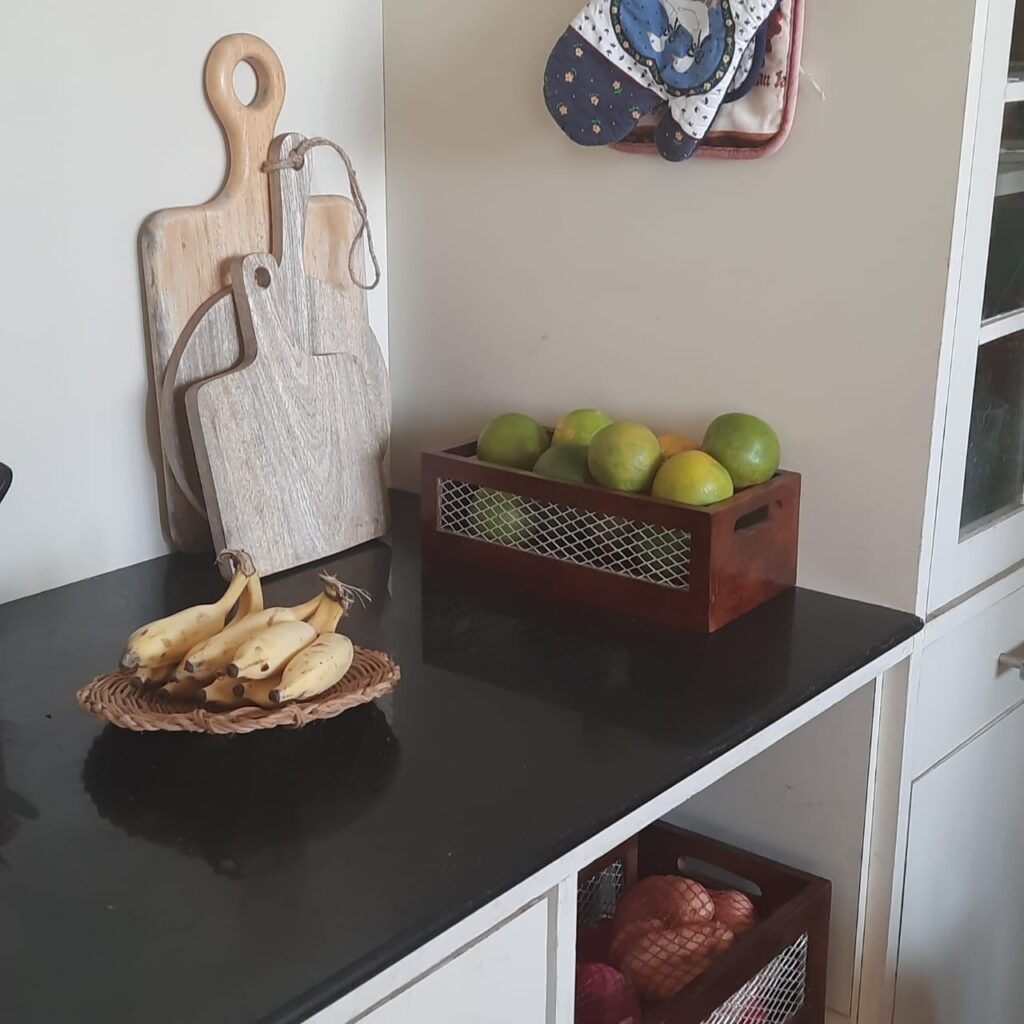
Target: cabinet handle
(1015,661)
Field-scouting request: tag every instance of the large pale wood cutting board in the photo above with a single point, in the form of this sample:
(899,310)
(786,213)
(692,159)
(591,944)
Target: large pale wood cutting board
(186,254)
(290,446)
(211,343)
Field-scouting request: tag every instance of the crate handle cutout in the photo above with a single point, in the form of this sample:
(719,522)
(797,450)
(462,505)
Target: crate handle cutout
(749,520)
(716,877)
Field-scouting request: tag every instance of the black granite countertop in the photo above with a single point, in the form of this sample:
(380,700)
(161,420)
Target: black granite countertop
(172,878)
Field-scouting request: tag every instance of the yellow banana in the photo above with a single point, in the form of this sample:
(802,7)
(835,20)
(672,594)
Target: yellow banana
(338,598)
(156,676)
(170,639)
(327,615)
(210,658)
(270,650)
(221,693)
(259,691)
(315,669)
(182,689)
(251,600)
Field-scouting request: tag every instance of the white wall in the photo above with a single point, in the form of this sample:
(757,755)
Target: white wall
(104,121)
(531,274)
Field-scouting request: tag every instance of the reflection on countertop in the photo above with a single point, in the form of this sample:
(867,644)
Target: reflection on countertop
(230,800)
(14,809)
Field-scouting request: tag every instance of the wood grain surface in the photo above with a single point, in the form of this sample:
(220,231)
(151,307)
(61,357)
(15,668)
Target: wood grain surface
(290,445)
(185,254)
(211,343)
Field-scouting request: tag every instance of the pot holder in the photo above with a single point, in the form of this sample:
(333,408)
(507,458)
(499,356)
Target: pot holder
(760,124)
(677,76)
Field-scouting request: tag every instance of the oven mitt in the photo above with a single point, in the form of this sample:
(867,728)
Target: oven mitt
(622,59)
(691,109)
(594,92)
(750,66)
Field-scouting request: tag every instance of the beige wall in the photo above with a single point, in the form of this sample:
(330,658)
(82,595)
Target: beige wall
(104,121)
(529,274)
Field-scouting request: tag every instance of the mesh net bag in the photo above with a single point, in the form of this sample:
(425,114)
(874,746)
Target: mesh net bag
(668,898)
(734,910)
(707,938)
(665,931)
(718,935)
(626,935)
(661,962)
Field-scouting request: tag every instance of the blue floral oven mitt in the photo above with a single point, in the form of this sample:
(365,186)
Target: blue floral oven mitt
(621,60)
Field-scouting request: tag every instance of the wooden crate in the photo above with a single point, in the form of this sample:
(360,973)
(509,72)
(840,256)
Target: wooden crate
(773,974)
(696,568)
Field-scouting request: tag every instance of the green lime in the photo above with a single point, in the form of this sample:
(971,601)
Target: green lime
(579,427)
(566,462)
(745,445)
(692,478)
(499,517)
(624,456)
(512,440)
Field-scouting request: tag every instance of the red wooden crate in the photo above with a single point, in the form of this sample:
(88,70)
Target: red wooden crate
(697,568)
(773,974)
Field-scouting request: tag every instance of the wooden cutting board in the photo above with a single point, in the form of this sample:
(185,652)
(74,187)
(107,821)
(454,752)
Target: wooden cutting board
(186,254)
(290,445)
(211,343)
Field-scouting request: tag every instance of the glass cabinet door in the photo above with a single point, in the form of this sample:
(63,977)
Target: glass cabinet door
(1004,279)
(994,474)
(979,528)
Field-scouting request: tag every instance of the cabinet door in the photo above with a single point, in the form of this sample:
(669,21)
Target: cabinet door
(503,979)
(961,941)
(979,527)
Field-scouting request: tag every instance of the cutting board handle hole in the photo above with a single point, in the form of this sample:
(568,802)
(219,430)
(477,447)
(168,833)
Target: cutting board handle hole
(246,82)
(262,276)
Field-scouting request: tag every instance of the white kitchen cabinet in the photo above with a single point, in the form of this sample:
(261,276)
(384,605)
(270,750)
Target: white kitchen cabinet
(954,857)
(979,521)
(502,979)
(965,682)
(957,917)
(963,908)
(956,920)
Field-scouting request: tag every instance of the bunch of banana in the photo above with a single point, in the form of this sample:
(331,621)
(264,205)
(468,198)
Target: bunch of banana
(257,655)
(154,650)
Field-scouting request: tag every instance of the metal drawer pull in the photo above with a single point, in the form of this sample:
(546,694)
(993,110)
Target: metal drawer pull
(1012,661)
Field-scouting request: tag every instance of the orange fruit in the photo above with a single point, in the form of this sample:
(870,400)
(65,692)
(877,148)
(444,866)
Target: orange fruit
(692,478)
(512,440)
(673,444)
(580,426)
(624,456)
(745,445)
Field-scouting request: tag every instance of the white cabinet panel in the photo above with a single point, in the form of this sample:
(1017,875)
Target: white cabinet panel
(963,687)
(960,954)
(503,979)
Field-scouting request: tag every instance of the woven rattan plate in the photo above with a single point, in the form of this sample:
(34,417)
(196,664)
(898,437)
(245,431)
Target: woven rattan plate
(117,699)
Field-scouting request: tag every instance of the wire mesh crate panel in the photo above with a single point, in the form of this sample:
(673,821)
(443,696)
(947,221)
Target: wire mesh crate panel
(773,995)
(596,540)
(598,895)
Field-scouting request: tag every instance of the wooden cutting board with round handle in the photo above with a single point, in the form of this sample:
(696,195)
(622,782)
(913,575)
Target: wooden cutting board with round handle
(186,255)
(290,445)
(211,343)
